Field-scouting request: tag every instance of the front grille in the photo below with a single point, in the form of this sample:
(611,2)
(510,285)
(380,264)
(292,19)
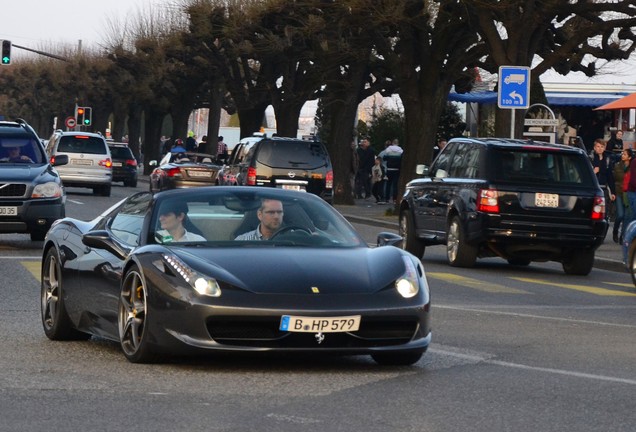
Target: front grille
(264,332)
(12,190)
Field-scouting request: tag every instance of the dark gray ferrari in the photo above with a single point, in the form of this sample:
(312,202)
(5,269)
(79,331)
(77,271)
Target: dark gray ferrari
(232,269)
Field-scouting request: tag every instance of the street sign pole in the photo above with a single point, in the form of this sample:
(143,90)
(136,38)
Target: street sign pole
(513,91)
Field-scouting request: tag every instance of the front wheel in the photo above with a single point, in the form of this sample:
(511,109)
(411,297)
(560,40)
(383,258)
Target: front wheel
(133,319)
(458,251)
(410,242)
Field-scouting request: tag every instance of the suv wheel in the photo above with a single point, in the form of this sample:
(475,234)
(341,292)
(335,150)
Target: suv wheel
(459,253)
(410,242)
(579,263)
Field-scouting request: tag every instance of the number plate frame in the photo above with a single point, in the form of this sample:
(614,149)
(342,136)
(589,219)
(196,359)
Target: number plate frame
(546,200)
(304,324)
(8,211)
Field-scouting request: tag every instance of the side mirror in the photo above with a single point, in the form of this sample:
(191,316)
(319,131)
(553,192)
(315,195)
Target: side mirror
(422,170)
(101,239)
(389,239)
(60,160)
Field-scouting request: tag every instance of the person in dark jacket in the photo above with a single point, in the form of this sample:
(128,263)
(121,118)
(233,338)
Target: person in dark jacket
(602,162)
(621,206)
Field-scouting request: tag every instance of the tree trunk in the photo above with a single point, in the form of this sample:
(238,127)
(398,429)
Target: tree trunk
(251,119)
(119,125)
(342,117)
(151,143)
(214,120)
(287,115)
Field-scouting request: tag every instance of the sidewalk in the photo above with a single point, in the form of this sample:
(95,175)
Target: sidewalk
(609,255)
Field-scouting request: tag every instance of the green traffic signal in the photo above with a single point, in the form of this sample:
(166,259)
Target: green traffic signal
(6,52)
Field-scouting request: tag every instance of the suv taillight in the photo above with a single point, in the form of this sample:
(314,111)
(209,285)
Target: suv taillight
(251,176)
(488,201)
(598,211)
(131,162)
(329,180)
(106,163)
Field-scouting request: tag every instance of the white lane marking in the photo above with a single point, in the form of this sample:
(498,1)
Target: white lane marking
(475,358)
(75,201)
(522,315)
(34,257)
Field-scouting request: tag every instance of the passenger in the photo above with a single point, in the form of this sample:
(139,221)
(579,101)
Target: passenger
(172,218)
(270,215)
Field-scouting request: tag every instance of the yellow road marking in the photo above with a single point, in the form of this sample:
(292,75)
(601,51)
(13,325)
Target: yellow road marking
(621,284)
(34,267)
(476,284)
(584,288)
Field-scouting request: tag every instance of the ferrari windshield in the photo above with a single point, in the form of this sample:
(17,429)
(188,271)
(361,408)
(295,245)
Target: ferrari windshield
(243,217)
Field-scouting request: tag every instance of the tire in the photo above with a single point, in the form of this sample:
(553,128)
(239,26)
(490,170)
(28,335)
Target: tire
(579,263)
(458,251)
(132,319)
(397,358)
(105,191)
(38,235)
(132,183)
(55,321)
(631,256)
(410,241)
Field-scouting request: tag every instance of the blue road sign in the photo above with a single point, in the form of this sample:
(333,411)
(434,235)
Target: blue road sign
(514,87)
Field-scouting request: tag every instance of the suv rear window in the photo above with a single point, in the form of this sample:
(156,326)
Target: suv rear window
(121,153)
(541,167)
(81,144)
(305,154)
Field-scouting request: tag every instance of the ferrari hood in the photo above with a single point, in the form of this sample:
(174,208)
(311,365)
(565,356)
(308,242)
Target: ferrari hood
(301,270)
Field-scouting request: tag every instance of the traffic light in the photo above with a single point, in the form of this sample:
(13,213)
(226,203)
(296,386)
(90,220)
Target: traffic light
(6,52)
(88,116)
(84,116)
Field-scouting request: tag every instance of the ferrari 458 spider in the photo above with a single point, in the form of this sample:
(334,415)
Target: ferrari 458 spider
(232,269)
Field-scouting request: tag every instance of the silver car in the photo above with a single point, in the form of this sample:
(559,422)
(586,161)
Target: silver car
(89,160)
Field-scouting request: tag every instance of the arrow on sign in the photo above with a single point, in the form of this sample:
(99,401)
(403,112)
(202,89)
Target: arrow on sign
(517,96)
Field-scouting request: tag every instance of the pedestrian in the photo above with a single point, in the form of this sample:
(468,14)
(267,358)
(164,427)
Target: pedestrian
(615,143)
(603,168)
(221,151)
(203,145)
(377,181)
(621,205)
(439,147)
(191,142)
(355,165)
(366,158)
(392,156)
(166,146)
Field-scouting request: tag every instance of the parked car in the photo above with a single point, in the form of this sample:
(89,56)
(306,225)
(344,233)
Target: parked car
(520,200)
(90,163)
(124,163)
(629,250)
(31,192)
(183,170)
(284,163)
(164,295)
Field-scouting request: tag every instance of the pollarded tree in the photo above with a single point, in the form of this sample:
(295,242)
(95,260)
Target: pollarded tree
(564,35)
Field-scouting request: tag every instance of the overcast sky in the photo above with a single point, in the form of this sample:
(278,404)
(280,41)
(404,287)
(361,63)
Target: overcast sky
(39,23)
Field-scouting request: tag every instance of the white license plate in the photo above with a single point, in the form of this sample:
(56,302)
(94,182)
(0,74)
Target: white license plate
(199,174)
(117,164)
(8,211)
(299,324)
(292,187)
(546,200)
(81,162)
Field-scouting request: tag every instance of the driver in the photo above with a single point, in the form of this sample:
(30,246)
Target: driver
(270,215)
(15,156)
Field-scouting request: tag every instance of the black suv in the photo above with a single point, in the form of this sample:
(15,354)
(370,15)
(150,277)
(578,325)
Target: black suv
(31,192)
(520,200)
(285,163)
(124,164)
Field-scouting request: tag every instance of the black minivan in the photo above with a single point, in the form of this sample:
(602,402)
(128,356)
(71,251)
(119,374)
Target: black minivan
(285,163)
(519,200)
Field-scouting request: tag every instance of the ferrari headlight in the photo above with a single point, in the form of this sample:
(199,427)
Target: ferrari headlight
(47,190)
(202,284)
(408,284)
